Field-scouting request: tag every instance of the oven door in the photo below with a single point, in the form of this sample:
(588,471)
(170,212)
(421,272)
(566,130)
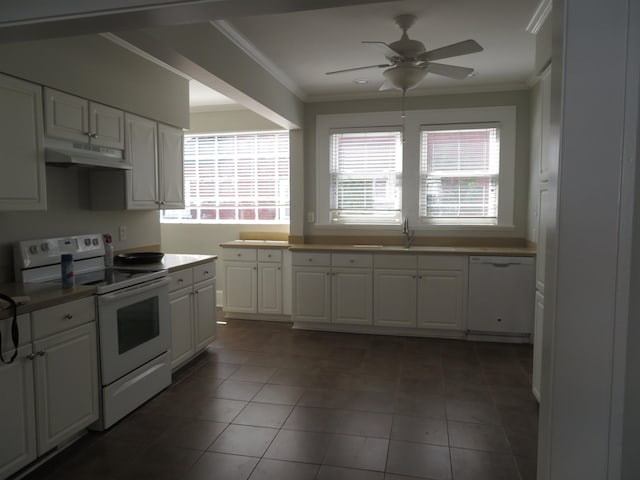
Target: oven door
(134,327)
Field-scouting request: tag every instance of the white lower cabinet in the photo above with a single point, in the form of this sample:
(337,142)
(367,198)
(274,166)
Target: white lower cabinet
(351,296)
(253,284)
(51,391)
(311,293)
(333,288)
(66,383)
(192,297)
(441,299)
(17,408)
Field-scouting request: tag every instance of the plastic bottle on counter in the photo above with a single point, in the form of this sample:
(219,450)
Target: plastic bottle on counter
(66,270)
(108,250)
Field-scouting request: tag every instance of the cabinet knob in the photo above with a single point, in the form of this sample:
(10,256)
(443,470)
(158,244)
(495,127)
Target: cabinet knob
(68,316)
(310,259)
(206,272)
(269,256)
(239,254)
(351,261)
(181,280)
(31,356)
(41,353)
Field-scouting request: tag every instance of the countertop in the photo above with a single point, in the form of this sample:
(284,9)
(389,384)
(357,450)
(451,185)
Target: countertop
(256,244)
(173,262)
(42,295)
(507,251)
(320,247)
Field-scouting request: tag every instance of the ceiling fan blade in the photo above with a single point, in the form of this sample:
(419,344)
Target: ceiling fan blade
(358,68)
(454,50)
(386,50)
(450,71)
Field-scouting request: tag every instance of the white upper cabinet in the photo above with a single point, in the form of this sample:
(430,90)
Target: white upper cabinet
(141,150)
(74,118)
(22,186)
(170,154)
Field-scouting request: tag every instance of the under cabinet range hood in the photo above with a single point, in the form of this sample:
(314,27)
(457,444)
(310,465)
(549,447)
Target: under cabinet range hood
(67,153)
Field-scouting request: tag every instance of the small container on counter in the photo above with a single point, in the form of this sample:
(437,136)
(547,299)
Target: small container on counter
(66,267)
(108,250)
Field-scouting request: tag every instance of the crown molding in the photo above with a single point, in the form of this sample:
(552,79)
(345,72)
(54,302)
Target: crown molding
(539,16)
(243,43)
(506,87)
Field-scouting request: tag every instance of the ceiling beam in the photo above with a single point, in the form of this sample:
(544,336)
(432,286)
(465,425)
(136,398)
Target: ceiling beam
(23,20)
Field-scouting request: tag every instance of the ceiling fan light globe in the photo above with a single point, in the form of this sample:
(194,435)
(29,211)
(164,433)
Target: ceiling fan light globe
(405,77)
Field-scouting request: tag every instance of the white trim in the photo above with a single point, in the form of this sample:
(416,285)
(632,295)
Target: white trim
(505,116)
(539,16)
(244,44)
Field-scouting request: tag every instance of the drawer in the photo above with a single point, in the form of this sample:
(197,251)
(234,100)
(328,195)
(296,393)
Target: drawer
(442,262)
(269,255)
(313,259)
(393,261)
(240,254)
(361,260)
(204,272)
(57,319)
(24,333)
(181,279)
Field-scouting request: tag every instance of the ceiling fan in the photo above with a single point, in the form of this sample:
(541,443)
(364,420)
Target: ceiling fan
(409,61)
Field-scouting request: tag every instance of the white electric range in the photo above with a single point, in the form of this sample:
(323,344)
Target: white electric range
(133,316)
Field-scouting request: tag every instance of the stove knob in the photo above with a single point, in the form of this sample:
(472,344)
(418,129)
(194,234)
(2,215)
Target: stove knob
(44,247)
(87,241)
(95,241)
(33,249)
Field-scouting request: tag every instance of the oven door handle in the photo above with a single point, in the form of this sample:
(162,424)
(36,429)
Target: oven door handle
(129,292)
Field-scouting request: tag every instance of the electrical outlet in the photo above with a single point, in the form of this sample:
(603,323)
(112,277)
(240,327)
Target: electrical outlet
(122,232)
(311,217)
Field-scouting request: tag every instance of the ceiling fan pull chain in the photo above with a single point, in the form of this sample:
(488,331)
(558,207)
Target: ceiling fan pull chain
(404,116)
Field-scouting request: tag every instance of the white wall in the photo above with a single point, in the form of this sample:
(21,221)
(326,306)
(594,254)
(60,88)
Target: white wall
(95,68)
(68,213)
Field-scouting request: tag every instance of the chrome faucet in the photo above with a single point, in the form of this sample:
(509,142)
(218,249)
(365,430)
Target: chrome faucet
(408,234)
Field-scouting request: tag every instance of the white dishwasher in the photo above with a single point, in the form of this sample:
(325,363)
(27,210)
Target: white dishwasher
(501,296)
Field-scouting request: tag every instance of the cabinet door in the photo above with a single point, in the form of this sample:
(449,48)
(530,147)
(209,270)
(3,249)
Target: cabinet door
(66,383)
(106,126)
(182,326)
(170,153)
(66,116)
(351,296)
(141,152)
(22,183)
(441,299)
(311,294)
(537,343)
(17,414)
(240,289)
(205,313)
(270,288)
(394,297)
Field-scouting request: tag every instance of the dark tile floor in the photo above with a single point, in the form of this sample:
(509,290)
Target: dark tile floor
(268,402)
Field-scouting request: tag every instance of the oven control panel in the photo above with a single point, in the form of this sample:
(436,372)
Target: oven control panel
(47,251)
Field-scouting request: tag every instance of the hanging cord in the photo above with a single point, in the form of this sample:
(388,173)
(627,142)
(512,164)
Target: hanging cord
(14,329)
(404,115)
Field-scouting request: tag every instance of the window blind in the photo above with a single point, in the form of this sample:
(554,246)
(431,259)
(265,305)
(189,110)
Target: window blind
(459,173)
(236,178)
(366,177)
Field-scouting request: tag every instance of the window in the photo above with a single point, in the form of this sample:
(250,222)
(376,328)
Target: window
(459,172)
(366,176)
(444,169)
(235,178)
